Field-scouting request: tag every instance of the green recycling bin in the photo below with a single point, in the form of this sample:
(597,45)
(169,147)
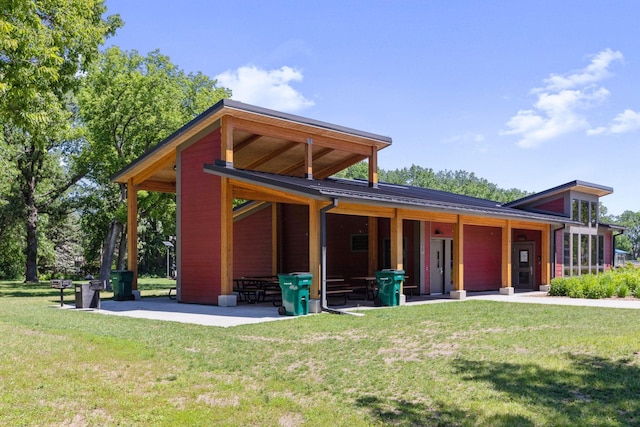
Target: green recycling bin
(121,281)
(389,283)
(295,293)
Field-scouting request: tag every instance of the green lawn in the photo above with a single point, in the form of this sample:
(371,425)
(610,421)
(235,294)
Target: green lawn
(463,363)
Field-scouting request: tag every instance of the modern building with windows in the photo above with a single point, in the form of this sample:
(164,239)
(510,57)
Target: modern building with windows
(298,217)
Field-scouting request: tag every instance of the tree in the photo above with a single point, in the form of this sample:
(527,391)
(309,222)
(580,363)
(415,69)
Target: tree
(129,103)
(43,47)
(630,220)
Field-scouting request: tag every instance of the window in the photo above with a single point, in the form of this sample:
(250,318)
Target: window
(359,242)
(585,211)
(582,254)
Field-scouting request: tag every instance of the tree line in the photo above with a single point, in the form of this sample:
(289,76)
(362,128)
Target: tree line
(73,114)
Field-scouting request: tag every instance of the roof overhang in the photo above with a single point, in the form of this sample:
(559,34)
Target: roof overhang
(311,189)
(277,142)
(578,186)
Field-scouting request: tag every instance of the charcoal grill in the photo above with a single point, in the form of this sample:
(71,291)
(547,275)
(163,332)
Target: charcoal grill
(61,284)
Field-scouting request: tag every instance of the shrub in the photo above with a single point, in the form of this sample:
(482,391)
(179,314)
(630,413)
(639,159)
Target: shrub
(558,287)
(622,291)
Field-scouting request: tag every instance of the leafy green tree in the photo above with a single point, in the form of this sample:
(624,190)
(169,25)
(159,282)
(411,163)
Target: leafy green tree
(43,46)
(630,240)
(129,103)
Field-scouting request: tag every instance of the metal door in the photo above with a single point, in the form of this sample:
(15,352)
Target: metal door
(440,270)
(523,260)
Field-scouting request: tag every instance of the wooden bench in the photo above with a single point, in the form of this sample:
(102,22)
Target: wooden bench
(338,292)
(408,290)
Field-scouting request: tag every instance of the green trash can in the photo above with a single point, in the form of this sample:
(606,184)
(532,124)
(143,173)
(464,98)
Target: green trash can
(295,293)
(121,282)
(389,283)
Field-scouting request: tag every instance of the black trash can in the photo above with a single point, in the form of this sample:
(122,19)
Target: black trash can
(86,297)
(121,281)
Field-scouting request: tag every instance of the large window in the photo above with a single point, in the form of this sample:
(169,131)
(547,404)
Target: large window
(585,211)
(582,254)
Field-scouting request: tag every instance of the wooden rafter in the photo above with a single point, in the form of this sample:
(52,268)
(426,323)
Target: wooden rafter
(328,171)
(272,155)
(320,154)
(246,142)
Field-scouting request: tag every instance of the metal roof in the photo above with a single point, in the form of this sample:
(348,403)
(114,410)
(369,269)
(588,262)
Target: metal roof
(384,195)
(585,187)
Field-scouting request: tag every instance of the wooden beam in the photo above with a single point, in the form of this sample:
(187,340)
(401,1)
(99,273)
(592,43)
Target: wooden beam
(291,134)
(164,162)
(246,142)
(314,246)
(347,208)
(506,255)
(396,243)
(132,231)
(272,155)
(373,168)
(226,237)
(308,159)
(458,255)
(321,153)
(158,186)
(246,191)
(428,216)
(545,241)
(328,171)
(373,246)
(226,140)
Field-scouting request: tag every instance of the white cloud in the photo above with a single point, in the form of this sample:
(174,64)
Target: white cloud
(266,88)
(561,104)
(626,121)
(596,71)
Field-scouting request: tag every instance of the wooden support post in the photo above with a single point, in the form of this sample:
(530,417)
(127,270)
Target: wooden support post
(396,243)
(546,255)
(506,255)
(373,168)
(458,255)
(132,232)
(226,237)
(314,246)
(226,144)
(308,159)
(373,246)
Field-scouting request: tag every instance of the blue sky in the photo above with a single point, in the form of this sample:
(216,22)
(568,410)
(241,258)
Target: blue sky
(527,94)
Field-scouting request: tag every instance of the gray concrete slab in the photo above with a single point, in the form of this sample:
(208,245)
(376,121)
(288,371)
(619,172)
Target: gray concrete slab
(210,315)
(170,310)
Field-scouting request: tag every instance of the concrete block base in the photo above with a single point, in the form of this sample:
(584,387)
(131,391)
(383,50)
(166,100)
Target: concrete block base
(458,294)
(315,306)
(545,288)
(403,299)
(136,295)
(227,300)
(506,291)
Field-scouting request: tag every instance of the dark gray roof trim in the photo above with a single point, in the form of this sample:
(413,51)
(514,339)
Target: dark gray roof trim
(228,103)
(558,189)
(385,195)
(612,226)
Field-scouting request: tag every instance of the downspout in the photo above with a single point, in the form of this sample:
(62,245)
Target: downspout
(555,248)
(613,249)
(323,253)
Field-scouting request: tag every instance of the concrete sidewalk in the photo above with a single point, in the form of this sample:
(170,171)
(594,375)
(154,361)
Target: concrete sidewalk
(163,308)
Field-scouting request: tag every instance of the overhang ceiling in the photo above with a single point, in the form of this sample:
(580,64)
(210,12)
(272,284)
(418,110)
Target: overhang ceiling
(263,140)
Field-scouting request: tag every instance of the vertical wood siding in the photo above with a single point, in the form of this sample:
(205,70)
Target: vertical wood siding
(252,244)
(555,206)
(200,223)
(482,258)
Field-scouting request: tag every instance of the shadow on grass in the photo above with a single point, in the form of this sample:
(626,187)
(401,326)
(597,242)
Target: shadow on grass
(594,391)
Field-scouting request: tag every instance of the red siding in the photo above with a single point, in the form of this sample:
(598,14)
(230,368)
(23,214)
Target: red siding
(482,258)
(608,252)
(200,221)
(556,206)
(559,253)
(341,261)
(252,244)
(295,238)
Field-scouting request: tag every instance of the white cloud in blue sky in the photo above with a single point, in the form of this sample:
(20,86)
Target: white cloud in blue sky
(266,88)
(563,102)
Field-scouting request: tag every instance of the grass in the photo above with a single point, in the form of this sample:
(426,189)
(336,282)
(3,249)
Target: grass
(461,363)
